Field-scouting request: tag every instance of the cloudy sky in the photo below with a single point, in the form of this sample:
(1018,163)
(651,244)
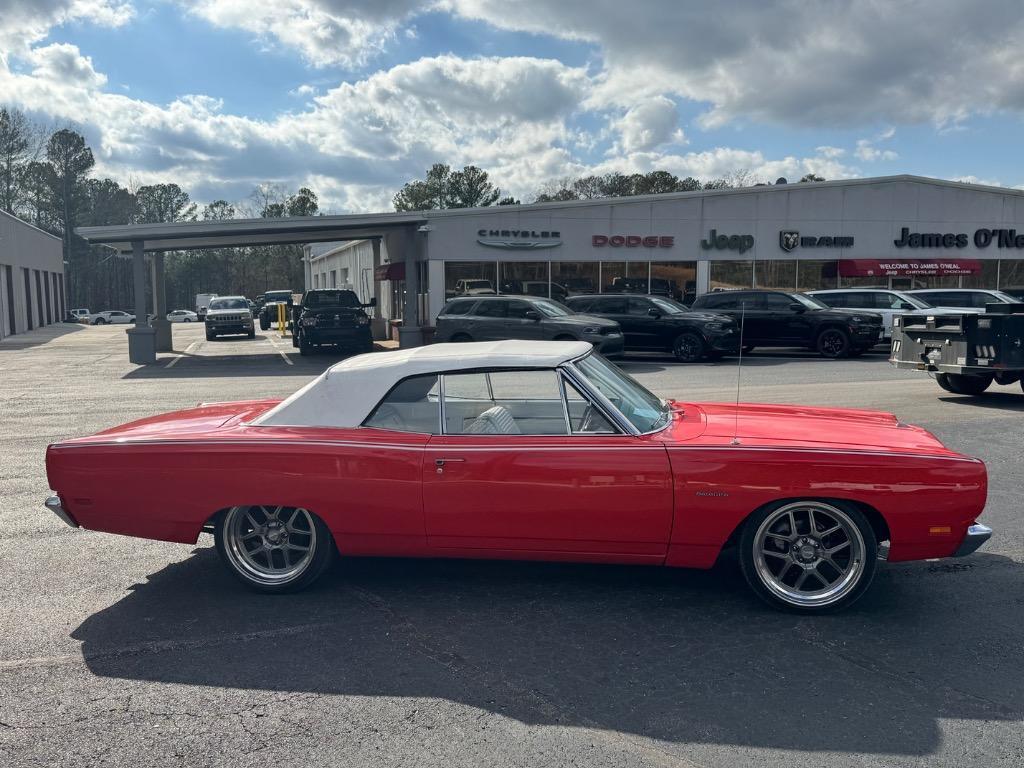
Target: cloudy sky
(354,97)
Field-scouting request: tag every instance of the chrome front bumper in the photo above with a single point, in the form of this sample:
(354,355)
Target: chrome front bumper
(53,504)
(977,535)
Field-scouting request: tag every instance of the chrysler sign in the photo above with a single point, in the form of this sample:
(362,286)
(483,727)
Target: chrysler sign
(519,239)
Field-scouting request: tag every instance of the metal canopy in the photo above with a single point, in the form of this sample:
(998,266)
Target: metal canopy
(186,235)
(145,340)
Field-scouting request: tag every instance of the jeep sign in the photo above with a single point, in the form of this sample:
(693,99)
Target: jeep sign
(741,243)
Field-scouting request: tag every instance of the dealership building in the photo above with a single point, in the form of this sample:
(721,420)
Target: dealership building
(31,277)
(897,231)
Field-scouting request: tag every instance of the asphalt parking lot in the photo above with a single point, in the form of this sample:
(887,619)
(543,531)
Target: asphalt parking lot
(121,651)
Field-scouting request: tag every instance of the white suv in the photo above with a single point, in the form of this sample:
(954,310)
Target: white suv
(882,301)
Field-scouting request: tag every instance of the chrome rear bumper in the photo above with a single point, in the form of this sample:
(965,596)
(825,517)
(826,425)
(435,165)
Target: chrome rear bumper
(977,535)
(53,504)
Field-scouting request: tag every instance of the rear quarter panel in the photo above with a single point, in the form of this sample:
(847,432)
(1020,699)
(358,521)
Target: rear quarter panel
(717,488)
(365,484)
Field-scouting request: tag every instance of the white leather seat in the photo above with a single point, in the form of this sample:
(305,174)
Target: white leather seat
(494,421)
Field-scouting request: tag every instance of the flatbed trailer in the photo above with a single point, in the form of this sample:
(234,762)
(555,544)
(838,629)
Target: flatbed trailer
(965,353)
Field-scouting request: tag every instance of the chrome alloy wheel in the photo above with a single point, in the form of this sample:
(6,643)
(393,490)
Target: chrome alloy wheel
(809,554)
(269,545)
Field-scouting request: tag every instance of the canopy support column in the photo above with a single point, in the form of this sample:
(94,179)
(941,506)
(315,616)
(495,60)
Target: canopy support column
(379,326)
(141,338)
(410,334)
(162,326)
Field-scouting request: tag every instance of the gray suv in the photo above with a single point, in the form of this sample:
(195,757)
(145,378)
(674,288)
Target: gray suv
(490,318)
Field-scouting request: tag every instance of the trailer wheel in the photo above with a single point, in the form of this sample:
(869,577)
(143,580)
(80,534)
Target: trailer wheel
(942,381)
(965,385)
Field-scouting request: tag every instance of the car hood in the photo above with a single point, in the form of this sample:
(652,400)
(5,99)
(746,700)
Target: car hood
(226,312)
(600,322)
(800,426)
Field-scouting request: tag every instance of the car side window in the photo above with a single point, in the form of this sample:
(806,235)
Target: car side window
(609,306)
(981,299)
(583,305)
(584,417)
(640,306)
(773,301)
(830,299)
(503,403)
(518,309)
(457,308)
(412,405)
(492,309)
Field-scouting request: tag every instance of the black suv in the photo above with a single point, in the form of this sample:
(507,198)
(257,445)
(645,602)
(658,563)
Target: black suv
(332,317)
(655,323)
(268,310)
(780,319)
(490,318)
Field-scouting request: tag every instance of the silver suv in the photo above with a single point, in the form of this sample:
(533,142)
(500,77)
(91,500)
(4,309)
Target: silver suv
(492,318)
(882,301)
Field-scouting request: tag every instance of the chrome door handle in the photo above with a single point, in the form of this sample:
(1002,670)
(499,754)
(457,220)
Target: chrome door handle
(439,463)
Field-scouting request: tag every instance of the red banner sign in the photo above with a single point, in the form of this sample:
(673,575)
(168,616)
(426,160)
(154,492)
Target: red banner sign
(880,268)
(393,271)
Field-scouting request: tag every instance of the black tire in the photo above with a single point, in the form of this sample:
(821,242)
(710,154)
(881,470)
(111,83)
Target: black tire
(460,338)
(942,380)
(297,525)
(252,333)
(960,384)
(688,347)
(833,343)
(295,340)
(772,585)
(264,324)
(210,335)
(305,348)
(187,320)
(99,321)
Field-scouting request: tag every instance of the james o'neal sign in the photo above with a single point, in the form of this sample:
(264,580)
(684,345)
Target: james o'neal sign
(983,238)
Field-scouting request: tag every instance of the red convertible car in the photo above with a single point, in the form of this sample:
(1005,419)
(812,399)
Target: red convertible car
(527,450)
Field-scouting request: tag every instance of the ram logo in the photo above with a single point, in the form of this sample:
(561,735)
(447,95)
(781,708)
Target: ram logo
(789,240)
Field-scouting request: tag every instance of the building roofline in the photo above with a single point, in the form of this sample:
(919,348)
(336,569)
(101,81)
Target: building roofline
(31,226)
(700,193)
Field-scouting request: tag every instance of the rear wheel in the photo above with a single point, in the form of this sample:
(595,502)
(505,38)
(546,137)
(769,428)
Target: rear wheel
(688,347)
(833,343)
(274,549)
(100,321)
(808,556)
(188,320)
(210,335)
(964,385)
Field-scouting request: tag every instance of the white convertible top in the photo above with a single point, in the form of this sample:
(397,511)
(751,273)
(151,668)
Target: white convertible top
(346,393)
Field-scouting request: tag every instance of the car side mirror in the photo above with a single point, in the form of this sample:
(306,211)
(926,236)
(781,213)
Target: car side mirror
(532,315)
(653,312)
(798,308)
(371,303)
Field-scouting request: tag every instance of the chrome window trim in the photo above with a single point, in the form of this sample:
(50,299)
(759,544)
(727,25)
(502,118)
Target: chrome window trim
(610,411)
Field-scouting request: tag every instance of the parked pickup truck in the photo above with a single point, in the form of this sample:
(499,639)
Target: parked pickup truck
(967,352)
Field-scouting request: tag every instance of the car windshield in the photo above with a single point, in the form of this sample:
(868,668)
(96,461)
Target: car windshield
(1004,297)
(643,409)
(668,306)
(229,304)
(318,299)
(550,308)
(808,301)
(277,296)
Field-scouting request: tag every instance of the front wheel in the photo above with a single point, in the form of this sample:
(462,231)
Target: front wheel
(305,348)
(274,549)
(688,347)
(264,324)
(100,321)
(833,343)
(960,384)
(808,556)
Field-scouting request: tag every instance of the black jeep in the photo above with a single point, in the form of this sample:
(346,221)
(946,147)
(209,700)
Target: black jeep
(330,316)
(268,310)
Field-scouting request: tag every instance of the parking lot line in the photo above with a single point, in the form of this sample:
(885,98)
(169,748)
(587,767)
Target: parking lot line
(188,351)
(280,351)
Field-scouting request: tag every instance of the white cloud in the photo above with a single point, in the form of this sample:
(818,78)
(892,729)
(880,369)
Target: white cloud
(869,153)
(61,62)
(325,32)
(813,63)
(649,125)
(25,22)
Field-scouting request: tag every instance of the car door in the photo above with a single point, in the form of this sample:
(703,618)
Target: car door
(507,475)
(612,308)
(488,321)
(524,321)
(647,329)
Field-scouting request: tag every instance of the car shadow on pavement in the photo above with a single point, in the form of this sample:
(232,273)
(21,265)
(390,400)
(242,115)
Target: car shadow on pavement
(679,656)
(1002,400)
